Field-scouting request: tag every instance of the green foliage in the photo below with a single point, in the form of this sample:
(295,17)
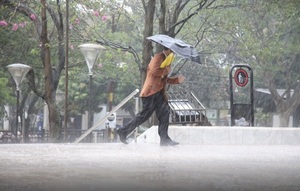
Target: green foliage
(88,24)
(263,34)
(17,42)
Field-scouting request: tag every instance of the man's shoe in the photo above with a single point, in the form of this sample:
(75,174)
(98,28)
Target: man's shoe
(168,143)
(123,137)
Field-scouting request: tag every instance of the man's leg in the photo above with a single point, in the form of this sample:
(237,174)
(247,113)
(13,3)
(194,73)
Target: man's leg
(163,112)
(148,106)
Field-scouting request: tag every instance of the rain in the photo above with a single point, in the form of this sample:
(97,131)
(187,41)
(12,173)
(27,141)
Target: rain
(221,78)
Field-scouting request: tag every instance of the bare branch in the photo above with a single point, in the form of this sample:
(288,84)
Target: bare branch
(181,23)
(117,46)
(32,84)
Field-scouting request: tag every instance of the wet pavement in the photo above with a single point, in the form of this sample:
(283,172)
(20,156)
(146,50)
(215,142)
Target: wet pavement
(146,166)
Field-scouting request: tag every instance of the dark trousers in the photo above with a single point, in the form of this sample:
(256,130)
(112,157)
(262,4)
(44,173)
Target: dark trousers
(158,103)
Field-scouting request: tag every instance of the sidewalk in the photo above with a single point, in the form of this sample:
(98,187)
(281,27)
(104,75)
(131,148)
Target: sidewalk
(146,166)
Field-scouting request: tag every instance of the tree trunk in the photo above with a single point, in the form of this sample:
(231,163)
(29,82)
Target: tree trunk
(30,110)
(284,118)
(51,75)
(148,31)
(54,119)
(55,122)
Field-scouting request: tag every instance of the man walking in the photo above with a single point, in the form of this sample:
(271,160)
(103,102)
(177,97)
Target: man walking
(154,98)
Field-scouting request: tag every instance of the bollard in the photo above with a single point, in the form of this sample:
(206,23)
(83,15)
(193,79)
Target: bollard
(95,137)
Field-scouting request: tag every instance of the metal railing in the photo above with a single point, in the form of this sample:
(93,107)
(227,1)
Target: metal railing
(34,136)
(103,120)
(72,135)
(37,136)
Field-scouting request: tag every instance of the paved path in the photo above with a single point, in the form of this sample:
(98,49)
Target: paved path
(118,167)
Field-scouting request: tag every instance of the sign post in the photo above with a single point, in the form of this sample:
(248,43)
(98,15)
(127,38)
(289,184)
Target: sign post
(243,75)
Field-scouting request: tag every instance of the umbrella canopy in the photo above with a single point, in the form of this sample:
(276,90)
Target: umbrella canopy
(177,46)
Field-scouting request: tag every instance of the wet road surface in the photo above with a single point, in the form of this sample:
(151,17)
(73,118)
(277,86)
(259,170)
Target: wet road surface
(138,166)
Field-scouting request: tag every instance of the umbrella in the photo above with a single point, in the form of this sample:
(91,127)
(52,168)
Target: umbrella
(177,46)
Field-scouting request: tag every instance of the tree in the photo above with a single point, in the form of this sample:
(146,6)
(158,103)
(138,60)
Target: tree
(279,55)
(171,21)
(264,34)
(112,27)
(14,49)
(53,63)
(51,75)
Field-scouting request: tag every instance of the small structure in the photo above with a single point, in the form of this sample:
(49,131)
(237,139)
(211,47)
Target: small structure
(186,109)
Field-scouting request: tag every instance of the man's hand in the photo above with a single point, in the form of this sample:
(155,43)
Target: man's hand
(181,79)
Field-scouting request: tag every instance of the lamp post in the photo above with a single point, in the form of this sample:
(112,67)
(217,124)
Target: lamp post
(18,72)
(91,53)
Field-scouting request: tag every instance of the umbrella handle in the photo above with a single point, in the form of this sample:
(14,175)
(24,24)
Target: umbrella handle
(175,73)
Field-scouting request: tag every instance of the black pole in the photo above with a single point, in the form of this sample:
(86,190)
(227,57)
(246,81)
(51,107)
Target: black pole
(251,97)
(231,97)
(90,102)
(17,113)
(66,72)
(110,94)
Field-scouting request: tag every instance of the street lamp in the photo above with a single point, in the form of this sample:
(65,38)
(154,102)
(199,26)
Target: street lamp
(91,53)
(18,72)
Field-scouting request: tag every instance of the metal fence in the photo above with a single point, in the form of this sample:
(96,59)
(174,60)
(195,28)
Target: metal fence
(35,136)
(186,109)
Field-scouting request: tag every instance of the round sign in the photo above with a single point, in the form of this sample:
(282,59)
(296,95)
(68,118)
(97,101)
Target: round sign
(111,118)
(241,77)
